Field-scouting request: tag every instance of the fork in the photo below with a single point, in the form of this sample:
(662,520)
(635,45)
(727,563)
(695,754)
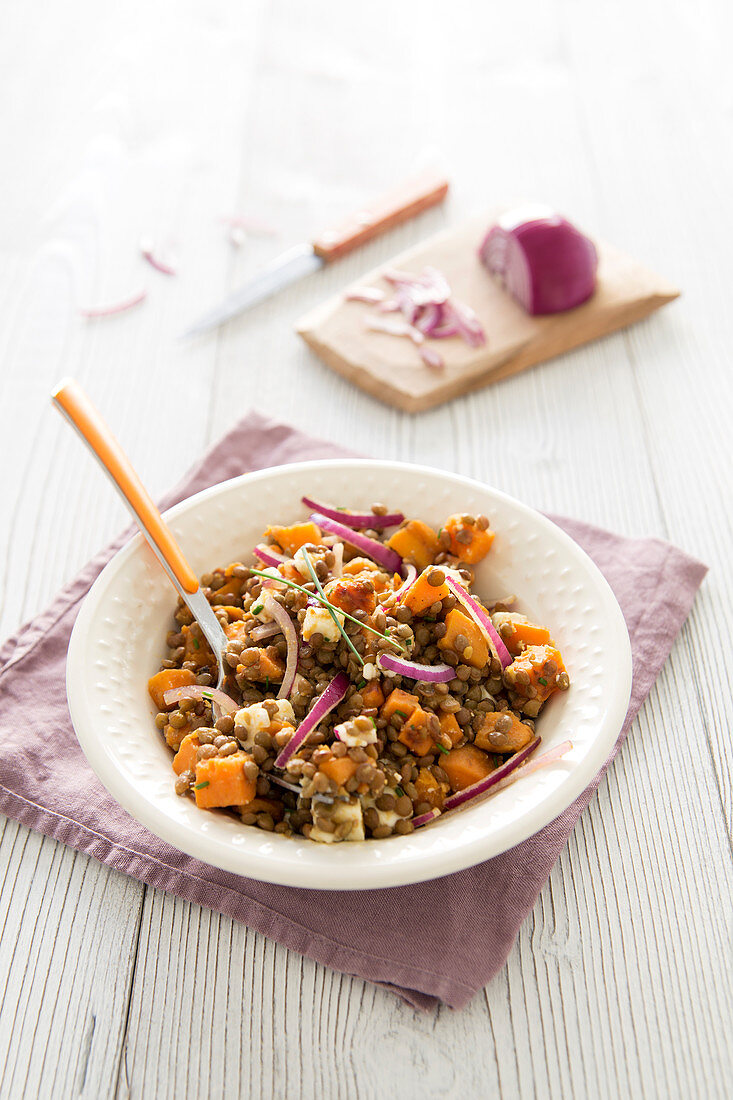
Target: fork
(74,404)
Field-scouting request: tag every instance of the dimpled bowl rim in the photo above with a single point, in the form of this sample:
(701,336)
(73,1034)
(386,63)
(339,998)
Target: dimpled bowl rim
(119,637)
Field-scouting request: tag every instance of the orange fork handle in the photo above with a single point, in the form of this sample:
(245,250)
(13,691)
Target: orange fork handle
(77,407)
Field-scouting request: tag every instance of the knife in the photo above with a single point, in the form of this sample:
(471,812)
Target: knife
(393,208)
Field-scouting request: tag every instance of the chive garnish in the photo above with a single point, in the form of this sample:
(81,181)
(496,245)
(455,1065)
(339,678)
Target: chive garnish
(401,713)
(256,610)
(399,792)
(199,786)
(443,749)
(323,600)
(267,683)
(363,684)
(331,610)
(195,643)
(542,681)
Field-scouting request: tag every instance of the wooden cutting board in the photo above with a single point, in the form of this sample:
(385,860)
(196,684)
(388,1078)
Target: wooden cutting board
(390,368)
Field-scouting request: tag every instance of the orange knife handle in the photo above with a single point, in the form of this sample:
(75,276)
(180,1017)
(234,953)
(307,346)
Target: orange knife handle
(77,407)
(392,209)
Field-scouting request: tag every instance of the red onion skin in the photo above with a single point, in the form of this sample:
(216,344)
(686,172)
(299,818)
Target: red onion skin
(355,519)
(547,264)
(453,801)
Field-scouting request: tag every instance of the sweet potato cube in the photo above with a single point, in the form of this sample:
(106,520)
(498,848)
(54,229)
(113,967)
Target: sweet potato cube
(466,766)
(372,695)
(422,594)
(518,632)
(502,731)
(185,758)
(166,680)
(415,733)
(174,736)
(473,544)
(352,594)
(449,725)
(290,539)
(429,789)
(197,649)
(457,624)
(399,701)
(416,543)
(220,781)
(543,664)
(340,769)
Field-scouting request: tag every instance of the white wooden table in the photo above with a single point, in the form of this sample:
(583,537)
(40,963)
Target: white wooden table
(160,118)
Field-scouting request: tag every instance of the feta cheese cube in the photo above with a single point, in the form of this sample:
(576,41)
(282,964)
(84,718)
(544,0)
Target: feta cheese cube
(318,621)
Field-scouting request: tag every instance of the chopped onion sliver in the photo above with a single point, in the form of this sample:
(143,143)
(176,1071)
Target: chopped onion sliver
(118,307)
(425,818)
(331,697)
(370,294)
(373,549)
(435,674)
(282,617)
(147,250)
(432,358)
(208,694)
(481,618)
(268,555)
(338,560)
(395,328)
(483,785)
(355,519)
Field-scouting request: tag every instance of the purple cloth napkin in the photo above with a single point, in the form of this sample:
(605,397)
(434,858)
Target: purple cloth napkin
(467,921)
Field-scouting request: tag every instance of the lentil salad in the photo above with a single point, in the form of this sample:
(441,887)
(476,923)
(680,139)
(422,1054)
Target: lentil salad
(369,692)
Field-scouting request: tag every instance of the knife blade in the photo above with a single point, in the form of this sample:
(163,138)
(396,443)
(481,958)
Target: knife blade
(391,209)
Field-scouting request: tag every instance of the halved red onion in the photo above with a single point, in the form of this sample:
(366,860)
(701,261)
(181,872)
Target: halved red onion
(409,569)
(286,624)
(543,260)
(354,519)
(147,251)
(424,819)
(481,618)
(432,674)
(373,549)
(116,307)
(331,697)
(265,630)
(197,691)
(483,785)
(269,556)
(370,294)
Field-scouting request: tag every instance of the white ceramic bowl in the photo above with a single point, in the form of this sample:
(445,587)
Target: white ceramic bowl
(119,638)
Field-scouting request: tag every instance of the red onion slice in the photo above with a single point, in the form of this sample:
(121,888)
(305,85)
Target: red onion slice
(433,674)
(535,765)
(208,694)
(282,618)
(284,784)
(544,261)
(269,556)
(481,618)
(147,251)
(117,307)
(425,818)
(331,697)
(373,549)
(266,630)
(410,579)
(355,519)
(483,785)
